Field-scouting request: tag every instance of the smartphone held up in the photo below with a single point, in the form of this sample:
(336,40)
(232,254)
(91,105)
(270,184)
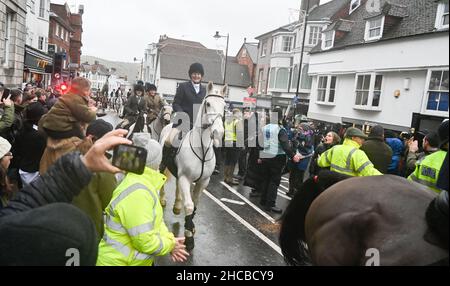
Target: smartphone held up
(130,159)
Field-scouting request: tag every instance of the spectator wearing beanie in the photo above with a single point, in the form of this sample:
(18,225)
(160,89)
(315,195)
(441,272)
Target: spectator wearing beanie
(6,189)
(379,153)
(30,144)
(94,198)
(66,122)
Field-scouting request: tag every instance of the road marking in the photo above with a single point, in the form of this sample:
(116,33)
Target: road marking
(284,187)
(232,202)
(245,223)
(284,196)
(264,214)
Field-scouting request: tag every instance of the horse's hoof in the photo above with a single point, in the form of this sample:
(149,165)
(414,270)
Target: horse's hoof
(176,211)
(190,244)
(163,203)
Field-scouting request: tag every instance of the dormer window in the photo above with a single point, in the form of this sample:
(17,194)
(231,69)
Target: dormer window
(442,18)
(354,5)
(328,40)
(374,29)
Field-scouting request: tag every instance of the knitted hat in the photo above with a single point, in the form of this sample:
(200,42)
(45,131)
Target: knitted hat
(196,68)
(34,112)
(377,132)
(154,149)
(52,235)
(5,147)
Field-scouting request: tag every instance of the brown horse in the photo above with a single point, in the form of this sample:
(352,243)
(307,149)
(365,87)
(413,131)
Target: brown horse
(335,220)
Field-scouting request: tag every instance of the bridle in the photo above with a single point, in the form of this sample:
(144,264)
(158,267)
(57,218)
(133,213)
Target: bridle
(203,128)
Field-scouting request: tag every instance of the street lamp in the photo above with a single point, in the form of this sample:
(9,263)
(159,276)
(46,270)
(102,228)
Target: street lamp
(142,67)
(217,36)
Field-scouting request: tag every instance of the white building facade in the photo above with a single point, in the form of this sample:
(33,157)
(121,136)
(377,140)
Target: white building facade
(400,82)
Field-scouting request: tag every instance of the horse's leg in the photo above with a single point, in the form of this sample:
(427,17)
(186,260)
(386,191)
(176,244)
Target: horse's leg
(162,192)
(178,205)
(198,189)
(185,187)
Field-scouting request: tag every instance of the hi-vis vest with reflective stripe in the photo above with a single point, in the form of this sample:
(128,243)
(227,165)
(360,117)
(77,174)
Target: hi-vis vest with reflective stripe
(271,143)
(134,227)
(427,171)
(349,160)
(230,131)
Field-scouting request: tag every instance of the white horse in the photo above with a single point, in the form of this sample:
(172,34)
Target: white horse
(156,127)
(195,159)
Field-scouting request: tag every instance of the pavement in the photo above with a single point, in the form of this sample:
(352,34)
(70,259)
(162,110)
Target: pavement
(231,228)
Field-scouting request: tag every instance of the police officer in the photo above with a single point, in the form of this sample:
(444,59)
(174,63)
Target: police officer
(273,160)
(348,159)
(427,171)
(231,147)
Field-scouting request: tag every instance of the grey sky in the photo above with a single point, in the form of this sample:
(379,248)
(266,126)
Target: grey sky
(120,30)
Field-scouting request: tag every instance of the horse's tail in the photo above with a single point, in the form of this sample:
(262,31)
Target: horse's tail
(292,236)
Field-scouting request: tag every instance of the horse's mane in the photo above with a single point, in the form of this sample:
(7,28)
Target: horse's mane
(292,236)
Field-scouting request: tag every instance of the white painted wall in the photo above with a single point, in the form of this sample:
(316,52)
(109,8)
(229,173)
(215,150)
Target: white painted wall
(36,26)
(414,52)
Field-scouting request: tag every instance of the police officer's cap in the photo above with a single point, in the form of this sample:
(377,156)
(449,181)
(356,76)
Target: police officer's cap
(355,132)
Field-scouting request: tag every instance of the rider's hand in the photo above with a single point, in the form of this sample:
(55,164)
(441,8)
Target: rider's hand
(95,159)
(179,253)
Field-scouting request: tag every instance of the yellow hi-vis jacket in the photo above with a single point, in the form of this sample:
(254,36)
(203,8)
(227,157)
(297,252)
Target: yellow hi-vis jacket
(427,171)
(230,130)
(134,224)
(349,160)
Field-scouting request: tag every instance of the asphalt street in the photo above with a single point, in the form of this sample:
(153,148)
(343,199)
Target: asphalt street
(232,228)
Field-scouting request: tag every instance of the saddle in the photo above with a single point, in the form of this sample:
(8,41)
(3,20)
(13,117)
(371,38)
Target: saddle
(169,154)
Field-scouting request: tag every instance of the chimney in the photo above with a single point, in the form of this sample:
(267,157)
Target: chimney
(245,40)
(312,4)
(81,9)
(96,63)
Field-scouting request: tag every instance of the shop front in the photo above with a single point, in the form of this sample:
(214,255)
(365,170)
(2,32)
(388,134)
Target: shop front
(37,67)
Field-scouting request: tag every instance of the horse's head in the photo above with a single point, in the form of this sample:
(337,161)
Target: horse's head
(213,109)
(166,114)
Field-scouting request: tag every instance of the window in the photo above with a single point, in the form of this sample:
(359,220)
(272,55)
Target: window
(6,51)
(42,8)
(67,36)
(41,43)
(374,29)
(326,89)
(314,35)
(354,5)
(438,91)
(264,49)
(32,6)
(442,18)
(368,90)
(57,30)
(294,77)
(282,44)
(322,88)
(282,80)
(261,82)
(328,40)
(272,78)
(306,82)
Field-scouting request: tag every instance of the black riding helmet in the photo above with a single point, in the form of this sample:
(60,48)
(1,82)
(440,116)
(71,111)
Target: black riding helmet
(150,87)
(138,87)
(196,68)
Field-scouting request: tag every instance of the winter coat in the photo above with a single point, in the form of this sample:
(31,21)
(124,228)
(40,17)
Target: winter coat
(134,106)
(29,148)
(41,220)
(55,150)
(67,116)
(7,118)
(379,153)
(314,168)
(397,149)
(185,99)
(154,106)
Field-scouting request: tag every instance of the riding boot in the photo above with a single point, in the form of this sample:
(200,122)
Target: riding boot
(166,153)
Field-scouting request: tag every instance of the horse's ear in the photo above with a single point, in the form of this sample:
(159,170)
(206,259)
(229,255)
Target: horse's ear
(210,86)
(225,90)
